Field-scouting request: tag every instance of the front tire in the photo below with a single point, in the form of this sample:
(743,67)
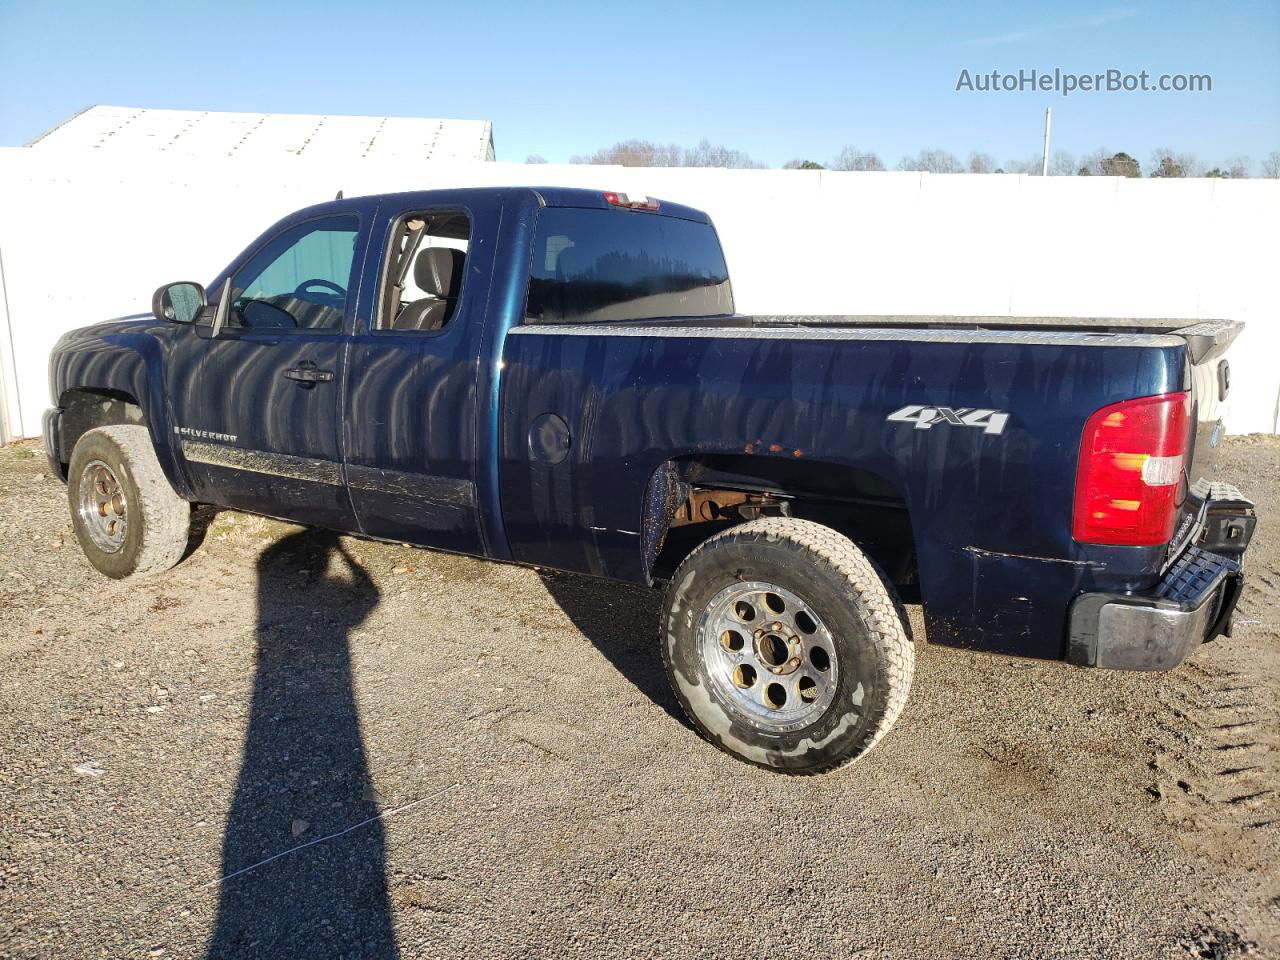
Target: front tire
(785,647)
(127,518)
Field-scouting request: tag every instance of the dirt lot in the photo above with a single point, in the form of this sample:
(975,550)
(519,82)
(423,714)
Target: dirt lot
(540,794)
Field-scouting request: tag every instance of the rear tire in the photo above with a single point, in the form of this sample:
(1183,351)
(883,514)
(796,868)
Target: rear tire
(127,518)
(785,647)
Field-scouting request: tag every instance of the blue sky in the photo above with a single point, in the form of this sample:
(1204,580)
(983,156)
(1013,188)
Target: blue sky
(775,80)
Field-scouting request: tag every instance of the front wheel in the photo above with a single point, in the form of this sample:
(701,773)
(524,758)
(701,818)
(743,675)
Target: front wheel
(129,521)
(785,647)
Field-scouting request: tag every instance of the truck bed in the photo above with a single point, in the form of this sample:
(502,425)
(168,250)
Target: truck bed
(821,406)
(1200,335)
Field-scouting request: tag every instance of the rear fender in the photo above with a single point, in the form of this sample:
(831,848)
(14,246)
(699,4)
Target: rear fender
(688,499)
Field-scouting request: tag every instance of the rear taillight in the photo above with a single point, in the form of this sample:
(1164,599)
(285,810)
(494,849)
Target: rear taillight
(1130,472)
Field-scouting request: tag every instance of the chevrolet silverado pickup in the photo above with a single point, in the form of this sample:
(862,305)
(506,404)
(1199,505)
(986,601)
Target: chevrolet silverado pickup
(558,378)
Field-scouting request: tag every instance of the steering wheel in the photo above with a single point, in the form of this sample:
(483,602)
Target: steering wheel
(338,294)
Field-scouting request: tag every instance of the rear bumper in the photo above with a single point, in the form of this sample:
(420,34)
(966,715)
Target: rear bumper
(1192,604)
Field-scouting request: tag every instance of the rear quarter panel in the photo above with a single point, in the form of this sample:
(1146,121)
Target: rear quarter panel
(991,514)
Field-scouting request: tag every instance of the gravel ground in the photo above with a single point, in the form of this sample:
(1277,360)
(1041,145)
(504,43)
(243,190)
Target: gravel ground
(540,795)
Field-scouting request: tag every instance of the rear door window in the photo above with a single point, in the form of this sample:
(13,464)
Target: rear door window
(424,271)
(593,266)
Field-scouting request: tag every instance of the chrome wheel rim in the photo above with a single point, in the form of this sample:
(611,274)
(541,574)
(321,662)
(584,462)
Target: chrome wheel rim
(769,657)
(103,508)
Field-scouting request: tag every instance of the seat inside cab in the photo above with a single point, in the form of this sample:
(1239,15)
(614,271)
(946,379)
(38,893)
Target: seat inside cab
(425,272)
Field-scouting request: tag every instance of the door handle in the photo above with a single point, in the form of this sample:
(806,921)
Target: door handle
(307,373)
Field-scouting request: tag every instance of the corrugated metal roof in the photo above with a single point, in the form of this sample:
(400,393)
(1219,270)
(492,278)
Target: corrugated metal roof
(138,130)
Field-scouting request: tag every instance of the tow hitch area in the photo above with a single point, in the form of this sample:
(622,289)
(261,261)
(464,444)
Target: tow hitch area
(1193,602)
(1228,522)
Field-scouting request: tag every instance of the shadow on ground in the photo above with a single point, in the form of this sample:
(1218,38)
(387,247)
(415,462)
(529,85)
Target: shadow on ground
(202,518)
(304,773)
(622,623)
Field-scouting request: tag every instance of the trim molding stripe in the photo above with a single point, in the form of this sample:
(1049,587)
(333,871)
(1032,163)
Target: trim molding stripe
(259,461)
(446,491)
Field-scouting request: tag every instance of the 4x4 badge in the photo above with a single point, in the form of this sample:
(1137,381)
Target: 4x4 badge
(989,421)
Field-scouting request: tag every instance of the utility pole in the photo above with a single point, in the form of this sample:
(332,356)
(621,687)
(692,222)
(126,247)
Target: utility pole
(1048,123)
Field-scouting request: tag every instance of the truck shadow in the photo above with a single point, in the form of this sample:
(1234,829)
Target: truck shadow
(621,621)
(304,774)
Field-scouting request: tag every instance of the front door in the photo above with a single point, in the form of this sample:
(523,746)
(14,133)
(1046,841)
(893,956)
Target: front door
(263,432)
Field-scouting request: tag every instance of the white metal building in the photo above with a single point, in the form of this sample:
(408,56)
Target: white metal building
(134,182)
(102,210)
(134,132)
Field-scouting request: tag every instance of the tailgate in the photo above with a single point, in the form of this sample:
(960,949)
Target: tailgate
(1207,345)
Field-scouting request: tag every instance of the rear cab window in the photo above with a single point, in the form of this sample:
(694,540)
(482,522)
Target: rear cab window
(601,266)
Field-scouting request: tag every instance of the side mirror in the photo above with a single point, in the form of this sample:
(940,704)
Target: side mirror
(178,302)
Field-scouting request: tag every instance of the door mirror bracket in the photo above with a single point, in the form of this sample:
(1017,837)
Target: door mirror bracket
(224,308)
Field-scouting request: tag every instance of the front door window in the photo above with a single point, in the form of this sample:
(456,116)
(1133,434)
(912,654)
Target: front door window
(298,282)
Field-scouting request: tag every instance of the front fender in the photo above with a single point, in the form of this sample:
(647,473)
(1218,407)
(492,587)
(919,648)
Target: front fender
(123,360)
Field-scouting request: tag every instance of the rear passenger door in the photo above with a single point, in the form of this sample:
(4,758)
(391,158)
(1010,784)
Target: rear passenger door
(411,383)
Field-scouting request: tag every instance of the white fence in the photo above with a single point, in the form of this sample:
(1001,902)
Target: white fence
(84,239)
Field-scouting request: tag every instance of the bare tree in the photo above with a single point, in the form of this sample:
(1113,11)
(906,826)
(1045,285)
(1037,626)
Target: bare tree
(851,158)
(634,153)
(535,158)
(1271,164)
(1093,164)
(1166,163)
(1028,168)
(1238,168)
(643,153)
(1104,163)
(931,161)
(1062,164)
(981,163)
(707,154)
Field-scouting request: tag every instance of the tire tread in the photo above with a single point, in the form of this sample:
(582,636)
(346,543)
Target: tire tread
(881,613)
(166,517)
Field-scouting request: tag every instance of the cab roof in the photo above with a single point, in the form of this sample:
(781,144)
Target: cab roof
(540,196)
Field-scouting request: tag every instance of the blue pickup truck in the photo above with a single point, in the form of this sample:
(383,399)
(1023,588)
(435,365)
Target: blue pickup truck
(557,378)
